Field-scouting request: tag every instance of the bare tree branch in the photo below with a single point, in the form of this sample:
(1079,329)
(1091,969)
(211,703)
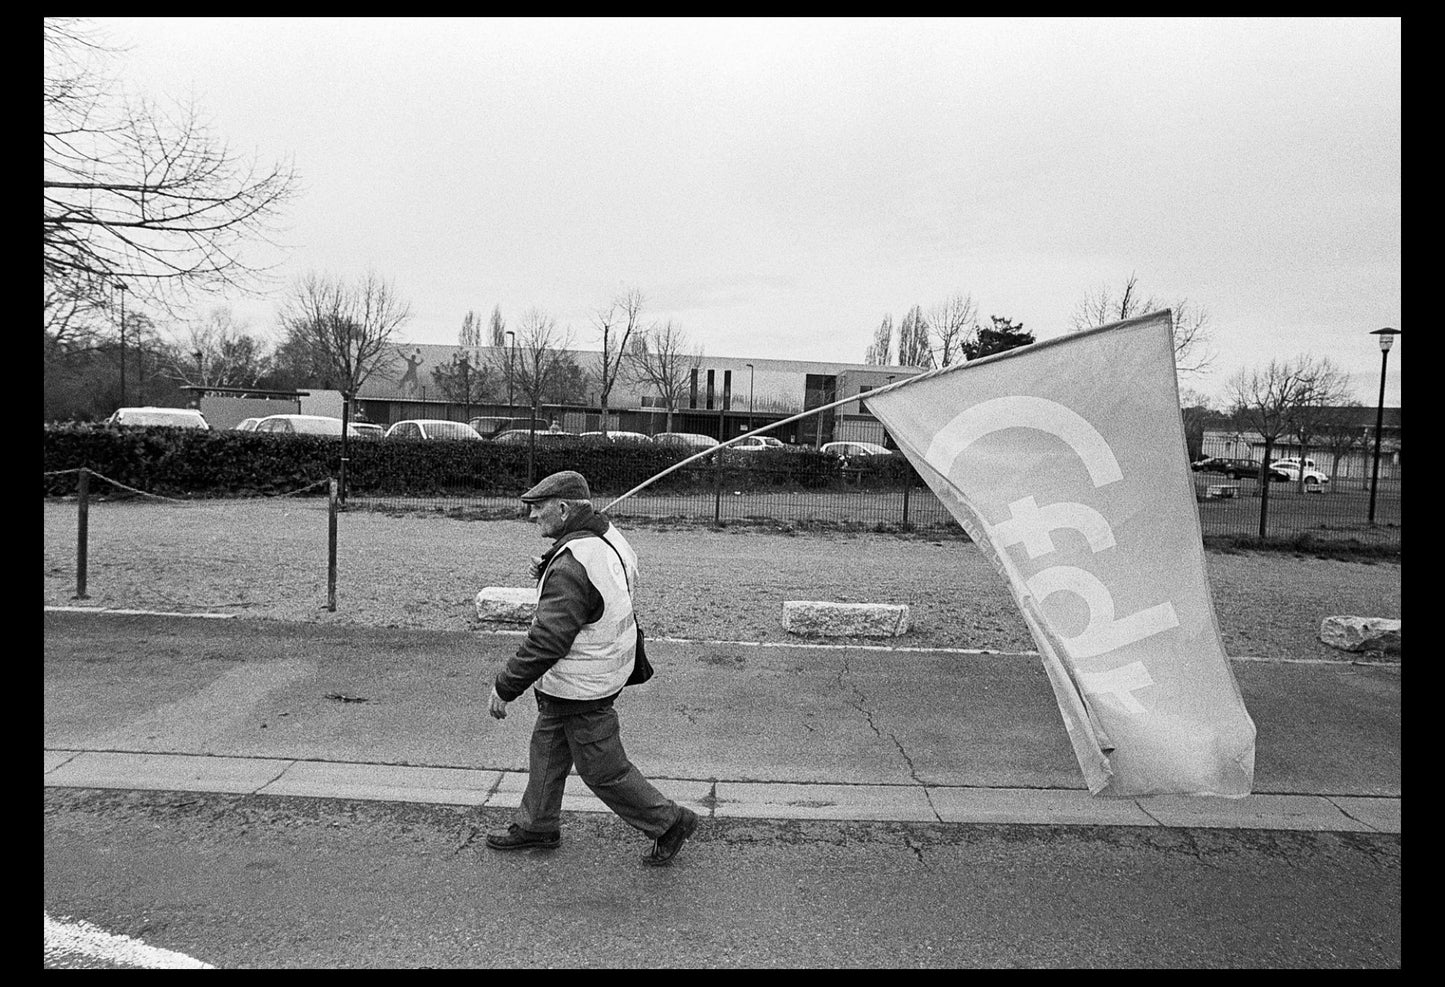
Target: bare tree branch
(662,359)
(136,196)
(349,329)
(1191,325)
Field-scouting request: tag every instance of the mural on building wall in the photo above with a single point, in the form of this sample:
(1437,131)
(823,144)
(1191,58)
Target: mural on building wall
(409,384)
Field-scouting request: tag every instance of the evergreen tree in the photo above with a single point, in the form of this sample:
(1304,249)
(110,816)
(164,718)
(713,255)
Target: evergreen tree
(1002,335)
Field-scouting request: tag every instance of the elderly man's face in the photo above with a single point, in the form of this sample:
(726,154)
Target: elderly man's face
(549,515)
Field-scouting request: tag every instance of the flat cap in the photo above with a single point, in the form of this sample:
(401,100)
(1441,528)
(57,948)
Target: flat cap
(568,485)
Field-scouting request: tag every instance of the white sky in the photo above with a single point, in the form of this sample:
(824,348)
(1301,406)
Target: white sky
(778,186)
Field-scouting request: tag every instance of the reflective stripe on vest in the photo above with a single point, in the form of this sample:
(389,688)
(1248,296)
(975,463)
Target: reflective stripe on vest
(600,659)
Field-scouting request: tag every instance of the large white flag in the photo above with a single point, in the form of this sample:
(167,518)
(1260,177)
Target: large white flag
(1065,462)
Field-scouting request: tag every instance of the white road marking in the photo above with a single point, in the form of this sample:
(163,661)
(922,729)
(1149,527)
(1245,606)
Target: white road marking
(65,936)
(780,644)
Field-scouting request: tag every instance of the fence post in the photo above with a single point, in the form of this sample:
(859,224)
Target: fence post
(907,485)
(717,487)
(83,532)
(331,552)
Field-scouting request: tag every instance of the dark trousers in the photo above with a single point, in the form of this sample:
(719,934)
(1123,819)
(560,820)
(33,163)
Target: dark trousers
(593,741)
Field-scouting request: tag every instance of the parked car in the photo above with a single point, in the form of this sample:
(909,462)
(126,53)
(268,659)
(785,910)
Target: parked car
(757,443)
(850,450)
(300,425)
(686,440)
(520,436)
(1291,469)
(1235,468)
(1225,465)
(365,430)
(246,425)
(173,417)
(491,427)
(432,428)
(612,436)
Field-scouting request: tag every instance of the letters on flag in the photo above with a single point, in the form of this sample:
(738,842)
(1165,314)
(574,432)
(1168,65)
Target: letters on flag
(1065,463)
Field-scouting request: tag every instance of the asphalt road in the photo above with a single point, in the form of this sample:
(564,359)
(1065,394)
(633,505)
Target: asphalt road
(272,882)
(251,882)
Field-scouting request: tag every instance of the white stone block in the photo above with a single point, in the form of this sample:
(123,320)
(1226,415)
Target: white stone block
(814,618)
(507,604)
(1361,633)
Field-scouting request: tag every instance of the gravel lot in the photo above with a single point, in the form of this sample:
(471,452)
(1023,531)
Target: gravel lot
(268,559)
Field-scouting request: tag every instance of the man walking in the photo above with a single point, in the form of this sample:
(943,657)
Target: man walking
(577,656)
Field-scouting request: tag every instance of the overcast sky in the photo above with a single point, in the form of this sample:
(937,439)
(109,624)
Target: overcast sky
(777,187)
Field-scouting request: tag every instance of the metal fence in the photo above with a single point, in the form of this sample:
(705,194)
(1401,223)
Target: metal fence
(855,497)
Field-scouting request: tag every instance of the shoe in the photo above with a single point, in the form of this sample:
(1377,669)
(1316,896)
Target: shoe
(514,837)
(667,845)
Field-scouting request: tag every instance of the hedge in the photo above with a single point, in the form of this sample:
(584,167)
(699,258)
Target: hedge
(177,462)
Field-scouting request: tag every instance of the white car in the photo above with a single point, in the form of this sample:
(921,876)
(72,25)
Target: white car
(688,440)
(757,443)
(849,450)
(1291,469)
(615,436)
(432,428)
(299,425)
(246,425)
(172,417)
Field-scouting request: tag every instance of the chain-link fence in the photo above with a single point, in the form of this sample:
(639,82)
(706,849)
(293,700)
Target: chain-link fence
(880,493)
(887,495)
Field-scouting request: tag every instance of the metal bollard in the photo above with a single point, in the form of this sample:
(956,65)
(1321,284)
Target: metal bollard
(331,552)
(83,532)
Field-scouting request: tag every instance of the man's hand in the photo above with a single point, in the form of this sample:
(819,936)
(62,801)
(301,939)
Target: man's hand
(535,567)
(499,706)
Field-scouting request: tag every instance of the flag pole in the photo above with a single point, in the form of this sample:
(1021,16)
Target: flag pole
(758,431)
(927,374)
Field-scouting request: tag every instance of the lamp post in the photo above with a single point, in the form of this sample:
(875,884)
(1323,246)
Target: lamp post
(511,351)
(750,395)
(1387,339)
(121,287)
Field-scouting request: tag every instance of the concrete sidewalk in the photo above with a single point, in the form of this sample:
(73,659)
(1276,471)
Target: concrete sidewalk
(731,729)
(720,798)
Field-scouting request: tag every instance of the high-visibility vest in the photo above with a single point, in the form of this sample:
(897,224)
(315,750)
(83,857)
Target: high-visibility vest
(600,659)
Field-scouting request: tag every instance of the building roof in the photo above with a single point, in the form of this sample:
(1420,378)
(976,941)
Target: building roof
(1344,414)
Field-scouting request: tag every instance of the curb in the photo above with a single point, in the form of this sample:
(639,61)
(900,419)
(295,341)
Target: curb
(720,798)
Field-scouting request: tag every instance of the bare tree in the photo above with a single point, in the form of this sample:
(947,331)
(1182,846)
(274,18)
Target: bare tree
(541,347)
(952,322)
(470,336)
(1264,401)
(913,349)
(617,323)
(218,352)
(136,196)
(349,329)
(498,327)
(1324,386)
(465,379)
(1339,431)
(1191,326)
(75,322)
(880,351)
(663,360)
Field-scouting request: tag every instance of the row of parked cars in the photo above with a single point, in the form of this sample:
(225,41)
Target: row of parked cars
(477,430)
(1280,470)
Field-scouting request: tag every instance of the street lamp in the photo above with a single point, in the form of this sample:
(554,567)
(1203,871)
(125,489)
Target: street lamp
(1387,339)
(750,395)
(121,287)
(511,351)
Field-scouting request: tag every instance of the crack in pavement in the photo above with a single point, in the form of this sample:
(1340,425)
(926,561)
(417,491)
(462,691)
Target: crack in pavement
(858,703)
